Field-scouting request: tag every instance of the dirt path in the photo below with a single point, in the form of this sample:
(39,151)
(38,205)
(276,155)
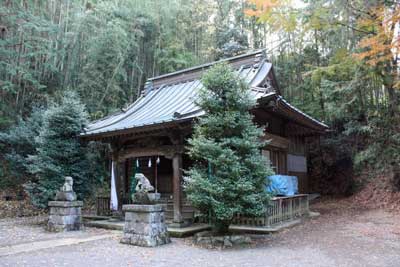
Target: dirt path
(31,229)
(341,236)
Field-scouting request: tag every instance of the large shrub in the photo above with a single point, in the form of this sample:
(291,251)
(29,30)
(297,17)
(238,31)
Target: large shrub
(229,173)
(59,153)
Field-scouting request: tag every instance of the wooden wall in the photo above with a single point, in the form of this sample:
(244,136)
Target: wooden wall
(297,162)
(164,173)
(286,151)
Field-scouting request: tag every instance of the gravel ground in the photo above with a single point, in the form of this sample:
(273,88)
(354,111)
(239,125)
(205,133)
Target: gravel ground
(341,236)
(31,229)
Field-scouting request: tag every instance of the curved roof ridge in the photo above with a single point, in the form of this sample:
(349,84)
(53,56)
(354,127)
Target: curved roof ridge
(206,65)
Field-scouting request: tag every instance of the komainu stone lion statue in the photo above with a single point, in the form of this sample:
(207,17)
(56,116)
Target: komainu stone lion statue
(68,184)
(143,187)
(143,184)
(66,192)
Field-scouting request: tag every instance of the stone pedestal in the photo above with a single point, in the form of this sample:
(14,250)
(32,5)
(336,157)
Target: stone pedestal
(65,216)
(145,225)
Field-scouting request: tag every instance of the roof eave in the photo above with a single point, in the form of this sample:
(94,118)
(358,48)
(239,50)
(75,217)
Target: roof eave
(294,113)
(134,130)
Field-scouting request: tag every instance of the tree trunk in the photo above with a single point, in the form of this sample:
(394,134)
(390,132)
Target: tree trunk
(392,101)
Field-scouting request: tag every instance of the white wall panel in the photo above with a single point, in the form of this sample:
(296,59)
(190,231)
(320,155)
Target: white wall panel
(296,163)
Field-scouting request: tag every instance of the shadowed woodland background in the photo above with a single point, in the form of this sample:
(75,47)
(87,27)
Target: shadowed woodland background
(336,60)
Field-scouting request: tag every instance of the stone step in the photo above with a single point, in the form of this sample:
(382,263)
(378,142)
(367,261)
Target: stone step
(173,231)
(94,217)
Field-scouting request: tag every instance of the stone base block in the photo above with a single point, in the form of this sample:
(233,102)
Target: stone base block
(65,216)
(208,239)
(145,226)
(146,240)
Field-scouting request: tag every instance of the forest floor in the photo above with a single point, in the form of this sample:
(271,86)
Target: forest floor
(343,235)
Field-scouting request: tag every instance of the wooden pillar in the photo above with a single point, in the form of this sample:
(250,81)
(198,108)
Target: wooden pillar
(177,187)
(127,167)
(122,181)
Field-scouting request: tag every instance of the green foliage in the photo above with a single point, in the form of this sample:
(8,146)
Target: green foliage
(17,143)
(230,39)
(319,73)
(381,146)
(103,50)
(59,153)
(174,58)
(116,31)
(23,83)
(229,173)
(231,42)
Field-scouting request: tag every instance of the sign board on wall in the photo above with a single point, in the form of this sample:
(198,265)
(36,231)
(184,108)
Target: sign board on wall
(296,163)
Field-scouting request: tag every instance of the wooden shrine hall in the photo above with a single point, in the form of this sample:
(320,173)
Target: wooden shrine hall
(152,131)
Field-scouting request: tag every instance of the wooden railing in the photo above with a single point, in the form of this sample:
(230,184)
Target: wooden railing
(103,206)
(279,210)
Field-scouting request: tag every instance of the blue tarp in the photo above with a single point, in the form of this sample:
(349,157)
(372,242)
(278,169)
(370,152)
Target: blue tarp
(282,185)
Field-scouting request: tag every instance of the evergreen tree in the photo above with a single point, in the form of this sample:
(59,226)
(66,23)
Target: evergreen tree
(229,173)
(17,143)
(60,154)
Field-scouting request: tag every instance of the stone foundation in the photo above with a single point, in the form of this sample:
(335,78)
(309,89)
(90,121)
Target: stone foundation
(65,216)
(208,239)
(145,225)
